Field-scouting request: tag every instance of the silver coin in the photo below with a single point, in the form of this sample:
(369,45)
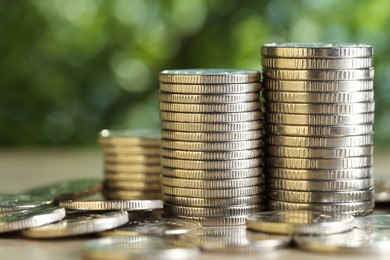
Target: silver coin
(311,185)
(209,76)
(320,50)
(211,118)
(217,221)
(211,184)
(301,152)
(354,208)
(210,108)
(317,63)
(212,89)
(30,218)
(212,175)
(211,193)
(155,226)
(79,224)
(320,196)
(300,222)
(212,202)
(326,120)
(212,127)
(211,99)
(284,74)
(214,146)
(328,109)
(301,174)
(106,205)
(66,190)
(319,131)
(319,86)
(321,142)
(356,241)
(211,211)
(215,156)
(20,202)
(212,137)
(320,163)
(211,165)
(138,247)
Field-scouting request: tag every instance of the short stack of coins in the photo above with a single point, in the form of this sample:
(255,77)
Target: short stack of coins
(131,164)
(319,104)
(211,145)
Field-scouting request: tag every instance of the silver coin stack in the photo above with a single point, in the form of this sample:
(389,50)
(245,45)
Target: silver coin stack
(131,164)
(319,126)
(211,145)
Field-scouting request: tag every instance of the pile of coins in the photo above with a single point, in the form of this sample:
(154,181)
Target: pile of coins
(211,144)
(131,164)
(319,127)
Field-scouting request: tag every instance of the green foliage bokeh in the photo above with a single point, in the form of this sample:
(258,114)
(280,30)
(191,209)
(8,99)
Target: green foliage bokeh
(70,68)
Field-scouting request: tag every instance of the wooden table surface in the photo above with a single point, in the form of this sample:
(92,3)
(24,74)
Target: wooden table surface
(25,168)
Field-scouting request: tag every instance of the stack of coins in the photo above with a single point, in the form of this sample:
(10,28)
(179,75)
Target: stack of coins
(131,164)
(319,126)
(211,144)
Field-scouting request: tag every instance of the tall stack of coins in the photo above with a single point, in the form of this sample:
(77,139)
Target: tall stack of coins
(211,145)
(131,164)
(319,126)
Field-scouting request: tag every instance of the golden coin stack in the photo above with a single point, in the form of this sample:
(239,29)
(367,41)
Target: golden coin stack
(211,144)
(319,127)
(131,164)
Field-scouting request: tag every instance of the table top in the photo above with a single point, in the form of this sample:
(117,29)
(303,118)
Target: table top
(25,168)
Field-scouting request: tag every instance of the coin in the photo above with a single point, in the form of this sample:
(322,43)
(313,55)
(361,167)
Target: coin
(79,224)
(209,76)
(301,152)
(213,99)
(284,74)
(212,202)
(211,184)
(130,150)
(319,86)
(343,119)
(212,89)
(211,165)
(132,168)
(318,50)
(302,108)
(155,226)
(194,155)
(20,202)
(136,177)
(137,247)
(354,208)
(211,118)
(309,185)
(321,142)
(132,195)
(319,131)
(209,108)
(317,63)
(212,175)
(133,159)
(212,137)
(212,127)
(302,174)
(356,241)
(211,193)
(321,196)
(300,222)
(211,211)
(217,221)
(223,231)
(29,218)
(106,205)
(66,190)
(215,146)
(320,163)
(133,186)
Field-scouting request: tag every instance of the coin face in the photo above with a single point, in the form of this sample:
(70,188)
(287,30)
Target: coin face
(20,202)
(299,222)
(155,226)
(79,224)
(65,190)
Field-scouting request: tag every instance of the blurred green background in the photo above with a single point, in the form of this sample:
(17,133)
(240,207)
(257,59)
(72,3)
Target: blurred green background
(70,68)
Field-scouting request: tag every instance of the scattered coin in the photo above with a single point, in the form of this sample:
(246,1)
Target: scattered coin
(20,202)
